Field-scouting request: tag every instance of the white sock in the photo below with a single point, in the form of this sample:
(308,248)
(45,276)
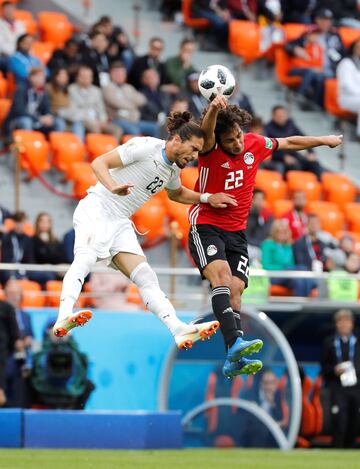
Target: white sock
(73,282)
(155,299)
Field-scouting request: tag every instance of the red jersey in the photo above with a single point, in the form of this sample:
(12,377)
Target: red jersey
(234,175)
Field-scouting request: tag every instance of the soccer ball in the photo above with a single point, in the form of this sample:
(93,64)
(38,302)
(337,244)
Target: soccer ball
(216,80)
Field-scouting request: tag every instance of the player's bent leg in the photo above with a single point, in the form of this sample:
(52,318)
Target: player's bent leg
(72,284)
(140,272)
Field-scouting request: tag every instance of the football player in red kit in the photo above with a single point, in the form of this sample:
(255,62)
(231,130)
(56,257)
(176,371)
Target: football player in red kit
(228,163)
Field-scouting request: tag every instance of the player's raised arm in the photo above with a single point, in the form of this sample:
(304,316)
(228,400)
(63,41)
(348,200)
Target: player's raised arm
(101,166)
(296,143)
(208,123)
(183,195)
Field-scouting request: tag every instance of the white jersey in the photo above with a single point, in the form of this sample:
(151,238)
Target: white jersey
(147,167)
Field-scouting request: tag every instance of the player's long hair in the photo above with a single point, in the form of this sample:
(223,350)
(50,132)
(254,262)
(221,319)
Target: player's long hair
(181,123)
(227,118)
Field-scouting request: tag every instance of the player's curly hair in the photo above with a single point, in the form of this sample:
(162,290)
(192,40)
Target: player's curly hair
(230,116)
(181,123)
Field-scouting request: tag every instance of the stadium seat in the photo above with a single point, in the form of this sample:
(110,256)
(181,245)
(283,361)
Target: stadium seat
(3,87)
(293,31)
(5,105)
(244,40)
(32,295)
(28,227)
(43,51)
(316,402)
(179,213)
(55,27)
(279,290)
(280,207)
(191,22)
(352,212)
(27,19)
(272,184)
(133,295)
(282,68)
(189,176)
(330,216)
(82,176)
(149,221)
(348,35)
(125,138)
(308,412)
(97,144)
(67,149)
(338,189)
(53,289)
(33,150)
(331,100)
(305,182)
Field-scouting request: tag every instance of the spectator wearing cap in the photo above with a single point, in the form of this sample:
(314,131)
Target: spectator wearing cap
(124,102)
(22,61)
(340,368)
(157,101)
(179,67)
(346,12)
(10,30)
(197,103)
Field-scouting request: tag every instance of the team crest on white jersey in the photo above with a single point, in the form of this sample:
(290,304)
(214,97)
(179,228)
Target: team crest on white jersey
(249,157)
(211,250)
(225,165)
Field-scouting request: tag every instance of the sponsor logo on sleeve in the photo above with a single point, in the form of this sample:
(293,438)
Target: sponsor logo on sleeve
(268,143)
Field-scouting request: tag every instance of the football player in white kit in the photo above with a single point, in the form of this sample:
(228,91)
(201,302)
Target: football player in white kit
(127,177)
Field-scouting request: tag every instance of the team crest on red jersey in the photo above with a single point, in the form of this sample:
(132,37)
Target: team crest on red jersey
(249,157)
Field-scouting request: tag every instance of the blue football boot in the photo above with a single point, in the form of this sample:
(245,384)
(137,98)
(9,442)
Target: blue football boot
(244,366)
(242,347)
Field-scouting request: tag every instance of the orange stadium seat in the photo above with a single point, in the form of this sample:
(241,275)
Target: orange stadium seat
(338,189)
(97,144)
(197,23)
(348,35)
(293,30)
(352,212)
(27,19)
(280,207)
(189,176)
(3,87)
(330,216)
(11,85)
(33,150)
(279,290)
(5,105)
(82,176)
(244,40)
(43,51)
(282,68)
(179,213)
(55,27)
(331,100)
(32,295)
(150,221)
(125,138)
(305,182)
(53,289)
(272,184)
(67,148)
(133,295)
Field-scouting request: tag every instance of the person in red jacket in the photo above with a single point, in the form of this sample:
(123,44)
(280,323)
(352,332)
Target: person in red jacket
(296,217)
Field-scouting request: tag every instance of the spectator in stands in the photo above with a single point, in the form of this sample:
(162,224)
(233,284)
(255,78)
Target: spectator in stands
(345,12)
(257,126)
(4,215)
(179,67)
(281,125)
(297,11)
(47,249)
(87,104)
(151,60)
(197,103)
(68,58)
(157,101)
(58,93)
(277,254)
(124,102)
(30,109)
(19,364)
(296,217)
(352,263)
(22,61)
(340,368)
(250,10)
(68,245)
(347,245)
(242,100)
(329,39)
(348,75)
(10,30)
(258,225)
(181,104)
(95,56)
(9,341)
(218,15)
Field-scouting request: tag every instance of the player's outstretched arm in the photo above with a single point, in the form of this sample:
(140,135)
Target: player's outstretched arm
(208,122)
(101,166)
(183,195)
(296,143)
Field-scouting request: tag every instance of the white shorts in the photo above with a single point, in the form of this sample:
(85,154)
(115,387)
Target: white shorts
(97,228)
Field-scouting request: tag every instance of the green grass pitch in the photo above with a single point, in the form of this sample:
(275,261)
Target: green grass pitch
(188,458)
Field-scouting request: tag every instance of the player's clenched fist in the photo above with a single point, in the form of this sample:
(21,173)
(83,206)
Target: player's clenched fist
(332,141)
(221,200)
(122,189)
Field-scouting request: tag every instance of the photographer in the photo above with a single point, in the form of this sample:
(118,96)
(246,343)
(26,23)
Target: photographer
(59,374)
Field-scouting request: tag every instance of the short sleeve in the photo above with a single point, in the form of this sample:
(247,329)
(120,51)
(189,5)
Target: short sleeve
(136,149)
(174,182)
(267,146)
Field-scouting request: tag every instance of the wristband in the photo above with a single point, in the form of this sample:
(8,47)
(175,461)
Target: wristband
(204,198)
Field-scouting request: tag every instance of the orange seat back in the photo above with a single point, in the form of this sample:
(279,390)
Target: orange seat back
(271,183)
(98,144)
(150,222)
(83,177)
(198,23)
(125,138)
(280,207)
(332,220)
(28,21)
(308,412)
(189,176)
(53,288)
(244,40)
(340,191)
(42,50)
(316,402)
(32,296)
(348,35)
(293,31)
(3,87)
(133,295)
(67,149)
(178,213)
(282,68)
(5,105)
(279,290)
(305,182)
(55,27)
(331,100)
(33,150)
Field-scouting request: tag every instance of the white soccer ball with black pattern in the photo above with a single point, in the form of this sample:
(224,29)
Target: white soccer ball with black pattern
(216,80)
